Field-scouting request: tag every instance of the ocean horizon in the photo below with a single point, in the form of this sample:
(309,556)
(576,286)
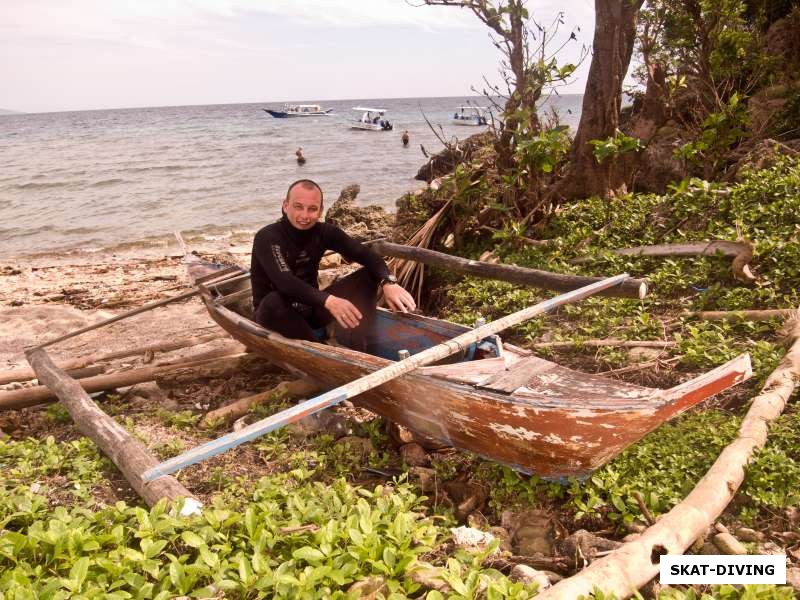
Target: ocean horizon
(98,178)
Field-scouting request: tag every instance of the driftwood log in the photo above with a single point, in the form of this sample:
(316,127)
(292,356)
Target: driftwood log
(80,363)
(40,394)
(630,567)
(630,288)
(741,252)
(744,315)
(607,343)
(286,389)
(114,441)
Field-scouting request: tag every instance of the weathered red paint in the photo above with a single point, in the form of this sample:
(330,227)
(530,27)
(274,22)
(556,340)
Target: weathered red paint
(562,423)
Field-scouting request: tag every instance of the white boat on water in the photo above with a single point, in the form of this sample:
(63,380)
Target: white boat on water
(370,119)
(470,115)
(299,110)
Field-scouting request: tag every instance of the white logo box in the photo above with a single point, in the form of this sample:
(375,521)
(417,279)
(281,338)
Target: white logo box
(723,568)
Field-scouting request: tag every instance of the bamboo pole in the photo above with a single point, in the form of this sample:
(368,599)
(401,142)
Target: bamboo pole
(743,315)
(40,394)
(125,315)
(606,343)
(630,567)
(628,288)
(79,363)
(297,388)
(373,380)
(113,440)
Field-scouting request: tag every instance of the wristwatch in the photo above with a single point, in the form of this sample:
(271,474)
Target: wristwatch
(388,279)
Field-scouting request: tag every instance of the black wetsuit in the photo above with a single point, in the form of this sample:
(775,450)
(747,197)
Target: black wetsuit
(284,270)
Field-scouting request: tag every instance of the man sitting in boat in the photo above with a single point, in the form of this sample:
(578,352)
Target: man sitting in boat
(285,266)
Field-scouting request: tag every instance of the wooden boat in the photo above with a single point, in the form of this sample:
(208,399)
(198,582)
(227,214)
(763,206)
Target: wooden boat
(496,400)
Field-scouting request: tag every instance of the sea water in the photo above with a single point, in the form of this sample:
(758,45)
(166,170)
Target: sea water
(101,178)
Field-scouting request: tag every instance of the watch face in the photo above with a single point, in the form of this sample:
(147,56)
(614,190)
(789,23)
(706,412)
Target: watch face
(391,279)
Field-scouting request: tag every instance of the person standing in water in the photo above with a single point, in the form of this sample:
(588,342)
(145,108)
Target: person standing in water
(405,137)
(301,160)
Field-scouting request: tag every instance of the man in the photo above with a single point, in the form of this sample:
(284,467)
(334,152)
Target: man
(285,265)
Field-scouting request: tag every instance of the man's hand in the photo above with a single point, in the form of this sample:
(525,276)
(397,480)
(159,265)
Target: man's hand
(398,299)
(344,311)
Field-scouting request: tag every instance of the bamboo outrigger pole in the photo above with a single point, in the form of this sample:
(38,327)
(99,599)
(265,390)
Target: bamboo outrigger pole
(371,380)
(150,306)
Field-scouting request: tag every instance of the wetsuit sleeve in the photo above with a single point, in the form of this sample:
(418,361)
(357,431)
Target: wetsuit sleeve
(355,251)
(269,257)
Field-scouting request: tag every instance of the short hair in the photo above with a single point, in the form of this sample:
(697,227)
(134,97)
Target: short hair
(307,184)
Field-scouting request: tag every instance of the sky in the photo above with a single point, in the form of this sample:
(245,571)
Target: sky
(58,55)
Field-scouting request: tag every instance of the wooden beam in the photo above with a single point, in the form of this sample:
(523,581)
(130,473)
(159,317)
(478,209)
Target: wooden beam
(113,440)
(80,363)
(743,315)
(40,394)
(373,380)
(606,343)
(628,288)
(297,388)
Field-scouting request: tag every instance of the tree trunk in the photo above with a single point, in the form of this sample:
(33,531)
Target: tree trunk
(614,36)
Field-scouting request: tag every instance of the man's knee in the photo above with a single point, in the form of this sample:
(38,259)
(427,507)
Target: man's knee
(272,308)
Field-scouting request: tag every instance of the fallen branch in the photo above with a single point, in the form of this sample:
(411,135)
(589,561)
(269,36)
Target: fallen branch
(637,562)
(32,396)
(610,343)
(129,455)
(740,251)
(630,288)
(286,389)
(743,315)
(80,363)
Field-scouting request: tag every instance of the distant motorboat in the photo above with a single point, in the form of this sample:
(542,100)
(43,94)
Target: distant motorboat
(370,119)
(470,115)
(299,110)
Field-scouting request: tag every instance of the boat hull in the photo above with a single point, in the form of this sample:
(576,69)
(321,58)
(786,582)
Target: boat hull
(279,114)
(561,423)
(370,126)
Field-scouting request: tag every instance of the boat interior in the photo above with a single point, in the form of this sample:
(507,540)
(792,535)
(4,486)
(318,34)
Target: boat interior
(394,336)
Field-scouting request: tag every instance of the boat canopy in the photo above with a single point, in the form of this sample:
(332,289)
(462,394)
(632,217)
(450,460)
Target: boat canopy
(364,108)
(479,109)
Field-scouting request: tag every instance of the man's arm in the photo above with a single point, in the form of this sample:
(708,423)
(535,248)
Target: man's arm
(355,251)
(397,298)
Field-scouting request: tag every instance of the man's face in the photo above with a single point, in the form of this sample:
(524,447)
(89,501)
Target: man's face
(303,207)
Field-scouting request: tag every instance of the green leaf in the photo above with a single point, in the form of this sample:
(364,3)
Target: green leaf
(77,574)
(308,554)
(192,540)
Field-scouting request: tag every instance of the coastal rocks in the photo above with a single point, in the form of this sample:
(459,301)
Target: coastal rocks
(361,223)
(532,531)
(659,166)
(764,155)
(414,455)
(583,547)
(529,575)
(445,161)
(782,40)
